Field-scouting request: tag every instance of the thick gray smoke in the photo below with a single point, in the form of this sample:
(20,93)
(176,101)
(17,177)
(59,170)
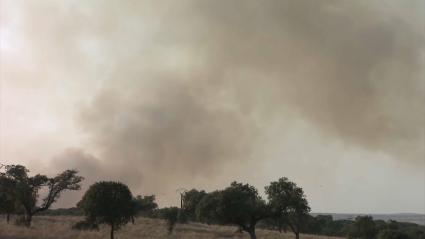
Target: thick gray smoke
(190,88)
(354,72)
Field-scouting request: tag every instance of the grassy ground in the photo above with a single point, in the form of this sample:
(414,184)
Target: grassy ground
(45,227)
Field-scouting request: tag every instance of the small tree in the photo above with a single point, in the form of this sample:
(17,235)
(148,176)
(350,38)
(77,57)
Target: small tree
(7,196)
(363,227)
(190,200)
(145,205)
(171,215)
(110,203)
(239,204)
(288,205)
(27,188)
(206,210)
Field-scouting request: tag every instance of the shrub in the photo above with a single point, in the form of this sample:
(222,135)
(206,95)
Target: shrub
(85,226)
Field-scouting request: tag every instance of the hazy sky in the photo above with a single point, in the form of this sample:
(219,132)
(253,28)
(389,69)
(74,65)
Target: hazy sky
(168,94)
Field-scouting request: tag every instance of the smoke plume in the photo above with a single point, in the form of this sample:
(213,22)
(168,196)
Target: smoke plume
(194,90)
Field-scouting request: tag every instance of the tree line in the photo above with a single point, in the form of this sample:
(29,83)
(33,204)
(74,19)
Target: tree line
(19,192)
(285,207)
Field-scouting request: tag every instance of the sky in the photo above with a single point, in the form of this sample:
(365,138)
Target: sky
(163,95)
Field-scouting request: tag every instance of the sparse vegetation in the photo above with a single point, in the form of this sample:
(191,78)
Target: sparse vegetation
(170,215)
(48,227)
(25,189)
(85,225)
(237,206)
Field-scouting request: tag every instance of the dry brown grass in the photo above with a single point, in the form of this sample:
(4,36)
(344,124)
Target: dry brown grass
(60,228)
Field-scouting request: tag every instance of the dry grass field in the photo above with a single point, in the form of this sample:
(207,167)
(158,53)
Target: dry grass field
(60,228)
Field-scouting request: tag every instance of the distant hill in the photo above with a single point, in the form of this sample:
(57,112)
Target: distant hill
(400,217)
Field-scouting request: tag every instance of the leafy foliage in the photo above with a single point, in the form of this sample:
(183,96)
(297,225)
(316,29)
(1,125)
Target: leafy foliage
(8,203)
(207,209)
(73,211)
(85,226)
(108,202)
(239,204)
(288,205)
(26,188)
(145,205)
(190,200)
(172,215)
(392,234)
(363,227)
(325,225)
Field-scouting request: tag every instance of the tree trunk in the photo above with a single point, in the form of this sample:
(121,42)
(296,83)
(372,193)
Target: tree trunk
(28,219)
(112,231)
(8,218)
(251,231)
(295,229)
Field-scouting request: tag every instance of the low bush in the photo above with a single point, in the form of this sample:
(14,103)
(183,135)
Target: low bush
(85,226)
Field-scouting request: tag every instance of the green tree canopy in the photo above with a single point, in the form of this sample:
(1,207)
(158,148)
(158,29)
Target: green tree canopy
(109,203)
(363,227)
(206,209)
(172,215)
(7,196)
(145,204)
(392,234)
(190,200)
(27,188)
(239,204)
(288,205)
